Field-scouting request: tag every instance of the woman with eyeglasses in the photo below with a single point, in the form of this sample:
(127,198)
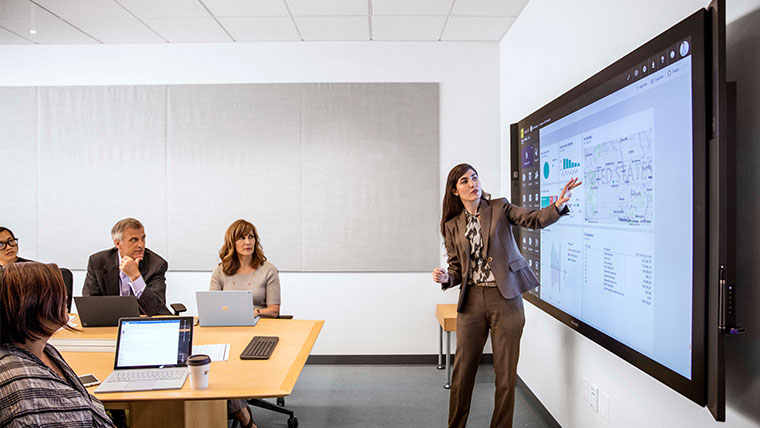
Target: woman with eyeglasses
(244,267)
(9,248)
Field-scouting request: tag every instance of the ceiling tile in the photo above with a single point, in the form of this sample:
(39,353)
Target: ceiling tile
(8,38)
(165,9)
(488,7)
(49,32)
(469,28)
(247,7)
(113,21)
(259,29)
(188,30)
(334,27)
(411,7)
(122,30)
(13,10)
(407,27)
(85,9)
(332,7)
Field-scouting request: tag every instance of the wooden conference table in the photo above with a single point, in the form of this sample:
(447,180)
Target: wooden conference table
(447,319)
(234,378)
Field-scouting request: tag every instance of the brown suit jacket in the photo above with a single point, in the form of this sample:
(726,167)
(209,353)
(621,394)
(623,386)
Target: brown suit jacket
(509,267)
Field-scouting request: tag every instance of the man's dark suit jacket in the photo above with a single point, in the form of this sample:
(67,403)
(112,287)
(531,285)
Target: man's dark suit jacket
(103,279)
(509,267)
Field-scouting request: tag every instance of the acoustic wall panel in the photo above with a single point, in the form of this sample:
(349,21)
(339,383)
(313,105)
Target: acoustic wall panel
(18,165)
(101,158)
(337,177)
(234,152)
(370,177)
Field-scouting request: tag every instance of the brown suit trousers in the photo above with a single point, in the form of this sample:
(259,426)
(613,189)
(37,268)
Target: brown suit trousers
(486,309)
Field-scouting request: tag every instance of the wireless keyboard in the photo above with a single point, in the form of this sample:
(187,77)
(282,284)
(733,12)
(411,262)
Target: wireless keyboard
(259,348)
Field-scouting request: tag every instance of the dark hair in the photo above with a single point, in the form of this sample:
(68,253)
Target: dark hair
(3,229)
(452,205)
(228,252)
(33,301)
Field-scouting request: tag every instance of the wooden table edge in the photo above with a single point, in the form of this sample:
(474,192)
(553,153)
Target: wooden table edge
(295,369)
(447,323)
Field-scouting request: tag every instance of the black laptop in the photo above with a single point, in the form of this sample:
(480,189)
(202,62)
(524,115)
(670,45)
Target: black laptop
(105,311)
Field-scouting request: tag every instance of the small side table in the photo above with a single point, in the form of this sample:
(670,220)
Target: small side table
(447,318)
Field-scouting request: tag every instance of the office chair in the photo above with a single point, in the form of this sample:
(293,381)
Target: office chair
(68,280)
(178,308)
(266,405)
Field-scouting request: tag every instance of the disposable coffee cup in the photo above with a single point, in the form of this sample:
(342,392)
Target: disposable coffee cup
(199,366)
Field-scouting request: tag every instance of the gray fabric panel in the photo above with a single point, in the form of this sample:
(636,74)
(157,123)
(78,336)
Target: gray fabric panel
(101,158)
(337,177)
(234,152)
(370,177)
(18,163)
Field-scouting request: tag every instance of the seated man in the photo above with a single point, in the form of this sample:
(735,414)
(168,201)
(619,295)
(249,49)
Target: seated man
(129,269)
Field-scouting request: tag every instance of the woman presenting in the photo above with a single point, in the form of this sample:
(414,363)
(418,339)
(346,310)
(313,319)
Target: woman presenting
(484,258)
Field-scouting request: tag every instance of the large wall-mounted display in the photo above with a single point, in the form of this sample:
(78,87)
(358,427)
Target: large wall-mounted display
(627,267)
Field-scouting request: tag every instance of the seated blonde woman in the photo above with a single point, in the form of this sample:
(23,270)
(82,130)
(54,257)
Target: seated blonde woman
(244,267)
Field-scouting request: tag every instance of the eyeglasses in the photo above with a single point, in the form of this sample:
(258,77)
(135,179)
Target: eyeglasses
(9,243)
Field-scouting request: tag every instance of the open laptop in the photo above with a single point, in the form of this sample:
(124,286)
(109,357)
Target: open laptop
(105,311)
(151,354)
(225,308)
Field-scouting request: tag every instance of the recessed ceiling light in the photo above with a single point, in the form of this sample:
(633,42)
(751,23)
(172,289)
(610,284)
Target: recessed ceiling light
(32,31)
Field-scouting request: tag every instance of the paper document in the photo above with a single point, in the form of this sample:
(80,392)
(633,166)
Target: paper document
(70,323)
(84,345)
(218,352)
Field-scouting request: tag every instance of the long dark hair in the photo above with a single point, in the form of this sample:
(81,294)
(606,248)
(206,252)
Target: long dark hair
(228,253)
(452,205)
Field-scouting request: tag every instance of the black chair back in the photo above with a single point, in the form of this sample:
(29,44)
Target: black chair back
(68,279)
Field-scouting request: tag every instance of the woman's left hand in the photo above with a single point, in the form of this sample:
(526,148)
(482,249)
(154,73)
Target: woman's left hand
(566,192)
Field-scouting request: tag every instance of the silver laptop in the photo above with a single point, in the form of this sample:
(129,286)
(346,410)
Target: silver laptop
(151,354)
(225,308)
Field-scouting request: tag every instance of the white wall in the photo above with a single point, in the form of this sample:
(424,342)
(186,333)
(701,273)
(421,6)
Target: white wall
(367,313)
(553,46)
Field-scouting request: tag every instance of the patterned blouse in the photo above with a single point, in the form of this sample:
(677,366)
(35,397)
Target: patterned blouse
(481,274)
(31,394)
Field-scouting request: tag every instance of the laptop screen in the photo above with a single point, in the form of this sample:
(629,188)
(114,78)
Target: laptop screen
(153,342)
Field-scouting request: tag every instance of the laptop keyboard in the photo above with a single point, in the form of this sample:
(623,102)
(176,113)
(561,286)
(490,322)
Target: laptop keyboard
(148,375)
(259,348)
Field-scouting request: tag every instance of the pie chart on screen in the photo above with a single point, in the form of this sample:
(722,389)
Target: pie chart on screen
(546,170)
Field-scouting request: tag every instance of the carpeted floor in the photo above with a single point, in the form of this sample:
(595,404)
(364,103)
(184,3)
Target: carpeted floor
(376,396)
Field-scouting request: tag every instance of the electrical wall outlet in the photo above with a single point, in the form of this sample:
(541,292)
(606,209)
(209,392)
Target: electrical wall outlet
(593,397)
(604,403)
(584,391)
